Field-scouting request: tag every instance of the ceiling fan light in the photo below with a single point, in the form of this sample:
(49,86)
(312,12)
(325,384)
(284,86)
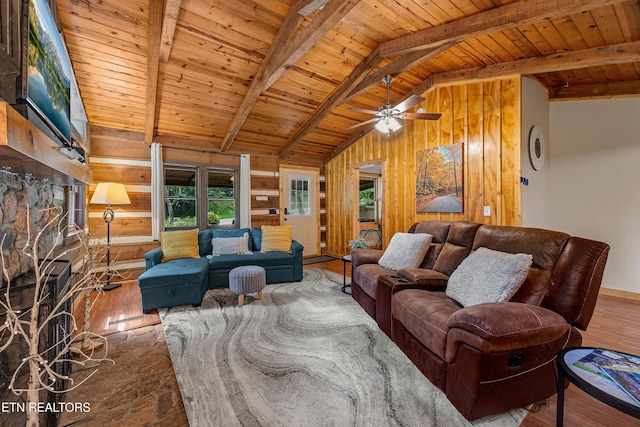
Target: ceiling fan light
(388,125)
(394,124)
(382,126)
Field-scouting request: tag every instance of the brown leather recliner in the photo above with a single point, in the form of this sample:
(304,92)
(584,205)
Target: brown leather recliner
(369,292)
(491,358)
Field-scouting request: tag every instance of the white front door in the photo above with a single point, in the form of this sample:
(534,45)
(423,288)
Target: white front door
(300,206)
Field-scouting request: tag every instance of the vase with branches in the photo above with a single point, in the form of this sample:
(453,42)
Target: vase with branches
(38,370)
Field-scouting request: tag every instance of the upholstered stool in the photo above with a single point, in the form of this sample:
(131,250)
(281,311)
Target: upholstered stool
(175,282)
(247,279)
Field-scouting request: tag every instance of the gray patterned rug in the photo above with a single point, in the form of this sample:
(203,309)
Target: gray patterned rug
(307,355)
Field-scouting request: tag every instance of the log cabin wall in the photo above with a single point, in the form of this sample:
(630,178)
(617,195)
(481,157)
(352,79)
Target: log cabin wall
(485,116)
(123,156)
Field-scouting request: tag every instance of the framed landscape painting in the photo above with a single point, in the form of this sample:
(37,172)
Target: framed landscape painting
(439,179)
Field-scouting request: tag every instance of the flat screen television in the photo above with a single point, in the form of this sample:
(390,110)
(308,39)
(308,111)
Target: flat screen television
(46,74)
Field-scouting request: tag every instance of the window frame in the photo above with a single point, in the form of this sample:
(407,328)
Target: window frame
(236,199)
(376,199)
(202,196)
(165,197)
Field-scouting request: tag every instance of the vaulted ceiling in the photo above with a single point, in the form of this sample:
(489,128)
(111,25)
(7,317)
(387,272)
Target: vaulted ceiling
(280,75)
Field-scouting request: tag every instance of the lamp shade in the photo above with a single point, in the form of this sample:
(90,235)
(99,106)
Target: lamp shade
(110,193)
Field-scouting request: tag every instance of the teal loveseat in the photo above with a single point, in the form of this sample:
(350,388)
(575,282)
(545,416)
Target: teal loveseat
(184,281)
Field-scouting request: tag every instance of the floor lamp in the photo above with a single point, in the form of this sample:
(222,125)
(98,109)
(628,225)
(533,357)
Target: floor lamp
(109,193)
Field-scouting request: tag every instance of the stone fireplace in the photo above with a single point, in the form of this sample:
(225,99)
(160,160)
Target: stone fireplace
(41,196)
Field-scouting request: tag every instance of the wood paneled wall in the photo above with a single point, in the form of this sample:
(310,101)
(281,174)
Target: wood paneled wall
(485,116)
(123,156)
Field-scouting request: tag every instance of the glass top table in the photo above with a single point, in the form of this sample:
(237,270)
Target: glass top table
(608,375)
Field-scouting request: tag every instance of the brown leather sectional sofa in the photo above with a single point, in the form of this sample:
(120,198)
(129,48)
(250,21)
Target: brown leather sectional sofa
(487,358)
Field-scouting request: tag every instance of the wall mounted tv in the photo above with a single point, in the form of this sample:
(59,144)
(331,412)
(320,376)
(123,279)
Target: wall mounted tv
(46,75)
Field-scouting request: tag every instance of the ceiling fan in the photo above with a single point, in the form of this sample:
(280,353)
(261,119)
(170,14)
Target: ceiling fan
(387,116)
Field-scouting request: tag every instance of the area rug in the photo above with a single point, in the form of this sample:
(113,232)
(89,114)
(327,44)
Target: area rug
(306,355)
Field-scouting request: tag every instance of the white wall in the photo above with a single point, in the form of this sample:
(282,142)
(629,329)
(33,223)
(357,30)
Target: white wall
(594,153)
(535,196)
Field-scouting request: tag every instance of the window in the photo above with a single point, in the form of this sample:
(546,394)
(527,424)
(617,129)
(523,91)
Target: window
(200,197)
(368,201)
(180,198)
(299,196)
(221,197)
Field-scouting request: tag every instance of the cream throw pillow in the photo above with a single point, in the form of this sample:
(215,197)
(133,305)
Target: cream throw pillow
(231,245)
(488,276)
(179,244)
(276,238)
(405,250)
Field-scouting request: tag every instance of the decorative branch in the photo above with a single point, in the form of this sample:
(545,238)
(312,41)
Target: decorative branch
(29,325)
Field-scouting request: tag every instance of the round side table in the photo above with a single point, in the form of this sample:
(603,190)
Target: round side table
(582,366)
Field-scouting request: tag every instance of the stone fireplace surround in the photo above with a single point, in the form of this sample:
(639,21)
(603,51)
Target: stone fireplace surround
(16,193)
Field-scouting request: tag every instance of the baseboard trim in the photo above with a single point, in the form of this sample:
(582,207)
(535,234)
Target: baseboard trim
(620,294)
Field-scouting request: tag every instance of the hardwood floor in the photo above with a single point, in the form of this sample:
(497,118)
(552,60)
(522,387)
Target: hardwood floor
(615,324)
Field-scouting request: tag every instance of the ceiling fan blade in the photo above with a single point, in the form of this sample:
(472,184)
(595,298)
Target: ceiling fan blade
(357,125)
(408,103)
(362,110)
(422,116)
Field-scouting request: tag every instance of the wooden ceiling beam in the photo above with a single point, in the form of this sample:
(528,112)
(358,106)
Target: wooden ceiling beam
(519,13)
(153,63)
(400,65)
(171,12)
(311,6)
(585,58)
(284,52)
(330,15)
(595,91)
(286,32)
(332,101)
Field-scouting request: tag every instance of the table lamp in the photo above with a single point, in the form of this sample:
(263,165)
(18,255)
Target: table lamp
(109,193)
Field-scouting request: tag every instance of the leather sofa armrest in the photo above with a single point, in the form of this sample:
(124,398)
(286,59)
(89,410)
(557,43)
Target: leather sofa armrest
(430,280)
(504,326)
(153,257)
(365,256)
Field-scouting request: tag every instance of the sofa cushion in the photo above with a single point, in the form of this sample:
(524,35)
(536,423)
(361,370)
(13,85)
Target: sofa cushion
(425,315)
(236,232)
(405,250)
(179,244)
(366,276)
(457,247)
(256,239)
(204,242)
(488,276)
(175,272)
(276,238)
(230,245)
(257,258)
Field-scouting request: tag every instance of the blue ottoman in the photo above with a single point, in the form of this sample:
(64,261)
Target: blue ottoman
(175,282)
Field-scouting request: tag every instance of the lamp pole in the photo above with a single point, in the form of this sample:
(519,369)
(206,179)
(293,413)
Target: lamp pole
(107,216)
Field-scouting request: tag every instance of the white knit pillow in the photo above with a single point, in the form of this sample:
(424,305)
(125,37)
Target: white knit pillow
(488,276)
(231,245)
(405,250)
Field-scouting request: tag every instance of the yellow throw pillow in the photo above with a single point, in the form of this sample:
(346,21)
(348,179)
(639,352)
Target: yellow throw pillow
(179,244)
(276,238)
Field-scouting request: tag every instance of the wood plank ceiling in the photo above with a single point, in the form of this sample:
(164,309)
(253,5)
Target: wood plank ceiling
(279,75)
